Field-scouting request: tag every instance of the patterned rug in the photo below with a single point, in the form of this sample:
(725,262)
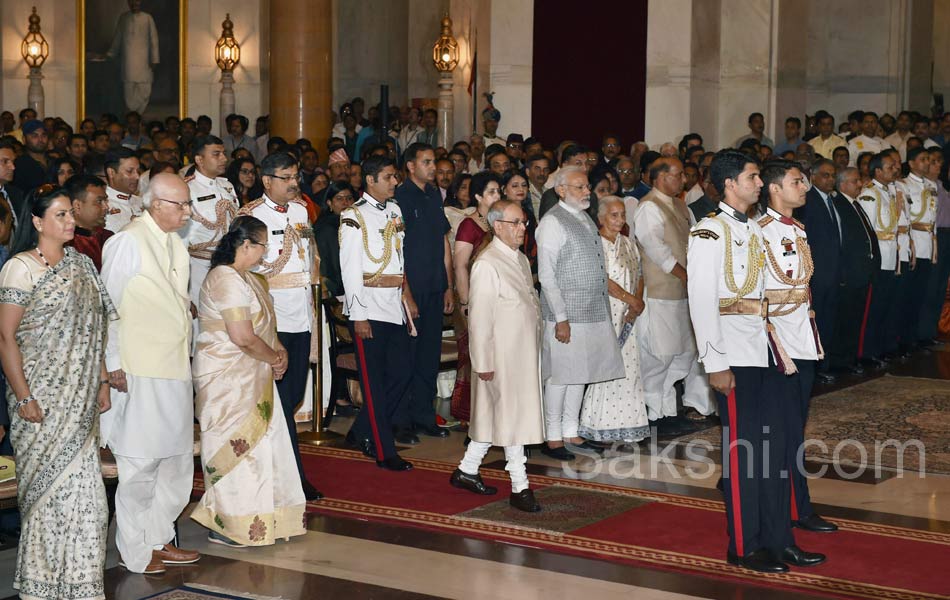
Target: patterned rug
(565,509)
(881,423)
(194,591)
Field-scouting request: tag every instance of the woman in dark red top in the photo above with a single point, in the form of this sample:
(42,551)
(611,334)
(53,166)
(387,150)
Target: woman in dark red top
(472,236)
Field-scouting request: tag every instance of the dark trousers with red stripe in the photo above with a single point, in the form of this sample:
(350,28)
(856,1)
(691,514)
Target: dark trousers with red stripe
(754,461)
(292,387)
(880,333)
(385,369)
(796,417)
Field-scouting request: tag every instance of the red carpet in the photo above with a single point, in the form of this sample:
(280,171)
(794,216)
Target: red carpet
(669,532)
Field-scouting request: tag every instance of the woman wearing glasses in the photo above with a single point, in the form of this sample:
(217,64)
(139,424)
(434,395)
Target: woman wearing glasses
(472,237)
(54,313)
(243,446)
(242,173)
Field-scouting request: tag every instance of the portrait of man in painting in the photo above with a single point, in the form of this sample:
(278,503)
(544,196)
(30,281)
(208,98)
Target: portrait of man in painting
(132,56)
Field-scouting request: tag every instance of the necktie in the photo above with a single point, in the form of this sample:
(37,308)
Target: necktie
(834,217)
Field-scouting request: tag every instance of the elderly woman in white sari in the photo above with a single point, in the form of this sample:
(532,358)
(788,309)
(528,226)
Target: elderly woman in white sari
(238,358)
(54,315)
(615,411)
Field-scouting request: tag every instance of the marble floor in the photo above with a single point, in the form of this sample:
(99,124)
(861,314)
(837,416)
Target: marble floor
(346,558)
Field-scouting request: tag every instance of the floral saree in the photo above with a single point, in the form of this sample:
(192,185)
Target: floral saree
(60,493)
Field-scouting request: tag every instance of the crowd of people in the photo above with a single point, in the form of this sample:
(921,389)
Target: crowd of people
(156,275)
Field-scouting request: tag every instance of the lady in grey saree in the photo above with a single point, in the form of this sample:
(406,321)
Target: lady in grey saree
(53,320)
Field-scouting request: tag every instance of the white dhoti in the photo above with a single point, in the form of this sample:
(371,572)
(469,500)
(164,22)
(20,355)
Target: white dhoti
(515,466)
(667,355)
(137,95)
(151,494)
(150,430)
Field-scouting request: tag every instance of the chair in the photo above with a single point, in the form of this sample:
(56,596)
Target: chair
(342,354)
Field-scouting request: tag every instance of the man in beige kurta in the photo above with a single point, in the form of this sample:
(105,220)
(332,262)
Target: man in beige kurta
(504,341)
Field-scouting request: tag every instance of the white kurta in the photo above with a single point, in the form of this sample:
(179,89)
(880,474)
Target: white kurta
(504,331)
(155,418)
(592,354)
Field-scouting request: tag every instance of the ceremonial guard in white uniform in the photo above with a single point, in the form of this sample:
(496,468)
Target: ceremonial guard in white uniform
(291,266)
(213,207)
(920,199)
(123,182)
(372,232)
(122,209)
(882,209)
(726,277)
(793,333)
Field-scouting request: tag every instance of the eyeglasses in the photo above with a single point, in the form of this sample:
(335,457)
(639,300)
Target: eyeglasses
(347,197)
(611,145)
(625,171)
(578,187)
(247,172)
(516,222)
(181,205)
(284,177)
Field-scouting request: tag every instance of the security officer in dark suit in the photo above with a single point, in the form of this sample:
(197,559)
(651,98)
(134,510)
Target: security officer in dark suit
(824,236)
(860,260)
(429,272)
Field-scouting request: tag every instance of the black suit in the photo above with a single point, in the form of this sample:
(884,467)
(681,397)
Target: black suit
(860,261)
(17,200)
(825,243)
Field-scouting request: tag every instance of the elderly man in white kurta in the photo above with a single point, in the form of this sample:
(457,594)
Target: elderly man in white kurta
(579,345)
(667,345)
(150,429)
(136,42)
(504,334)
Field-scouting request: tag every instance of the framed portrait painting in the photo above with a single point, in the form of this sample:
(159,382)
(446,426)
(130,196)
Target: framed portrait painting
(131,57)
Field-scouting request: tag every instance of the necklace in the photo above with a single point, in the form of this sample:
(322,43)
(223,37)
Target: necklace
(49,266)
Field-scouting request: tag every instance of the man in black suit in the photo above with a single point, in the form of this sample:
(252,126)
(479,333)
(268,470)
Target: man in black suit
(860,260)
(823,225)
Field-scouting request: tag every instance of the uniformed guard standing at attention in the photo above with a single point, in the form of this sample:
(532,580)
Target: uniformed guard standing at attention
(725,275)
(380,307)
(290,267)
(883,211)
(920,198)
(213,207)
(793,333)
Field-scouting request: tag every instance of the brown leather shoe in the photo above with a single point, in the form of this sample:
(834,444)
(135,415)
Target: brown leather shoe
(171,555)
(155,567)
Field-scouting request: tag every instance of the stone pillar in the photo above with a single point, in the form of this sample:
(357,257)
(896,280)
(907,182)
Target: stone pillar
(226,101)
(446,112)
(301,78)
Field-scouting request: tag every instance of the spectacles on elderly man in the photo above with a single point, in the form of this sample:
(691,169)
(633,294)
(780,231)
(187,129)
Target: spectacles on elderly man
(181,205)
(516,222)
(579,187)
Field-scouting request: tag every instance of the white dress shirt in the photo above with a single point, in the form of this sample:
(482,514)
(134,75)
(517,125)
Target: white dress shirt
(863,143)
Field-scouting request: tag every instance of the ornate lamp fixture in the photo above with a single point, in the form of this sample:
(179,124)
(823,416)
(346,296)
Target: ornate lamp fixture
(445,52)
(35,51)
(227,53)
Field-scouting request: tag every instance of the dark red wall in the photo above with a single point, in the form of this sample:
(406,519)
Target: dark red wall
(589,74)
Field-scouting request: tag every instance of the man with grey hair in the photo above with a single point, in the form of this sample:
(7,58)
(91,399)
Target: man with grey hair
(579,345)
(145,269)
(667,344)
(504,335)
(860,260)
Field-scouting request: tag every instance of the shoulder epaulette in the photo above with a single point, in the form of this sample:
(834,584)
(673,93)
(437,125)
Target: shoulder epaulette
(299,201)
(248,208)
(765,220)
(798,224)
(360,202)
(869,184)
(866,198)
(706,234)
(350,222)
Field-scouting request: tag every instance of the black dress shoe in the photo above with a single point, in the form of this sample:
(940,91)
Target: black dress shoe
(815,523)
(585,447)
(856,369)
(472,483)
(432,430)
(364,445)
(525,500)
(394,463)
(559,453)
(406,436)
(794,555)
(760,561)
(309,492)
(826,378)
(671,427)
